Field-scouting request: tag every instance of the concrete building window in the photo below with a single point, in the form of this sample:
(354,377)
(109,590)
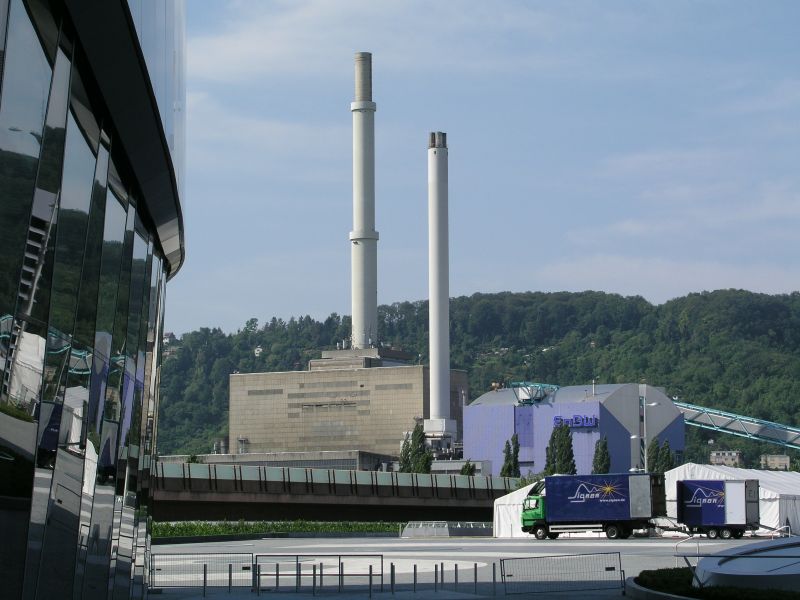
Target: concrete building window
(328,384)
(394,386)
(275,392)
(353,393)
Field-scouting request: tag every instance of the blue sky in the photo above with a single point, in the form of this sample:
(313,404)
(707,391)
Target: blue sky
(641,148)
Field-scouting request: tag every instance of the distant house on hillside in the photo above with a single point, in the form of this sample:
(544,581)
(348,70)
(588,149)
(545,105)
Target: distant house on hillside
(728,458)
(775,462)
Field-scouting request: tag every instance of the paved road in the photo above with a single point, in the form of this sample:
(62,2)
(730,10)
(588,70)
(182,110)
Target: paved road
(636,554)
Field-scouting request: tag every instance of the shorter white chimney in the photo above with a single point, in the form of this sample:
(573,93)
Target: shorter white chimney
(440,425)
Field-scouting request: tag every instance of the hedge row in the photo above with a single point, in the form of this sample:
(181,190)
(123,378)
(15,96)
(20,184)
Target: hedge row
(201,528)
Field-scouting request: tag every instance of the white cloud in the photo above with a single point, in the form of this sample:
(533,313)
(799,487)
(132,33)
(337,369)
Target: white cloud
(783,95)
(239,290)
(301,38)
(669,162)
(269,137)
(677,191)
(715,213)
(660,279)
(222,139)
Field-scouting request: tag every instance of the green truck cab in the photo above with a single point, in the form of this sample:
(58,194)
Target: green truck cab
(534,513)
(534,518)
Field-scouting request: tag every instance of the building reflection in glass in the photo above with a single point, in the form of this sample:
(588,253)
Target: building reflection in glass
(82,277)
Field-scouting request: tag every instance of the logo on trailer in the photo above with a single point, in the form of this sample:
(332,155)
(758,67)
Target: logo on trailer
(608,491)
(705,496)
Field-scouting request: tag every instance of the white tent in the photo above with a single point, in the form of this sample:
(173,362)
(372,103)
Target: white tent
(779,491)
(508,514)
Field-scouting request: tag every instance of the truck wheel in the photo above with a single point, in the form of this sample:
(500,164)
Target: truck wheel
(540,531)
(737,534)
(712,534)
(552,536)
(725,533)
(613,532)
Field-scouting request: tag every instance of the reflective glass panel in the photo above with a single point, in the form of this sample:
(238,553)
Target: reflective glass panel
(84,378)
(137,287)
(26,85)
(67,370)
(73,215)
(34,308)
(98,487)
(120,390)
(3,21)
(86,314)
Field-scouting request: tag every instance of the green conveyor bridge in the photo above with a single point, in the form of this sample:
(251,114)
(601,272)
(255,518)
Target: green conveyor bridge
(747,427)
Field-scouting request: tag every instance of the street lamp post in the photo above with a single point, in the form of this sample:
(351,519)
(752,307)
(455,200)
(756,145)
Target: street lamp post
(643,437)
(644,429)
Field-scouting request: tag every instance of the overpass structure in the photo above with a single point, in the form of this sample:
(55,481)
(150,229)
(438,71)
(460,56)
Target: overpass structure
(184,491)
(190,491)
(748,427)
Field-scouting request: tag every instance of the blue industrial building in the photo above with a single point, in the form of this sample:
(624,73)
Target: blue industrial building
(614,411)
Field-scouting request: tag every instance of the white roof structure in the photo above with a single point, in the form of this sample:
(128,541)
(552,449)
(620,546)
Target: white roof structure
(779,491)
(507,522)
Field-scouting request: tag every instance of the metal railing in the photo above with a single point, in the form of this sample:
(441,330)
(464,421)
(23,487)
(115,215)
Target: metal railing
(562,573)
(447,529)
(318,573)
(209,570)
(788,529)
(691,538)
(350,573)
(280,571)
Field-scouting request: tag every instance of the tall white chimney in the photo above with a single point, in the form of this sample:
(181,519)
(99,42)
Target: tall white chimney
(363,237)
(438,277)
(439,425)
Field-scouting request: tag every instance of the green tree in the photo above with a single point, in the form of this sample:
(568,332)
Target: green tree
(665,459)
(468,468)
(653,450)
(731,350)
(601,462)
(560,457)
(565,455)
(406,464)
(415,456)
(549,457)
(508,464)
(528,479)
(515,456)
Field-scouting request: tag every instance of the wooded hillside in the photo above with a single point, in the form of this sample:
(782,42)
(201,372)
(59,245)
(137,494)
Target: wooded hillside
(730,349)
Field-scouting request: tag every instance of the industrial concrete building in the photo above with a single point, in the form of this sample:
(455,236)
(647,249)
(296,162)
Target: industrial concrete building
(362,397)
(628,415)
(349,400)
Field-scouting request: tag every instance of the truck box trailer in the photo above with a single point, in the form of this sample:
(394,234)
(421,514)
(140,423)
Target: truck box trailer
(718,507)
(613,503)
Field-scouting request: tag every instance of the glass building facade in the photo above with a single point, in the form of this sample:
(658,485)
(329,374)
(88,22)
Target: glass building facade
(91,228)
